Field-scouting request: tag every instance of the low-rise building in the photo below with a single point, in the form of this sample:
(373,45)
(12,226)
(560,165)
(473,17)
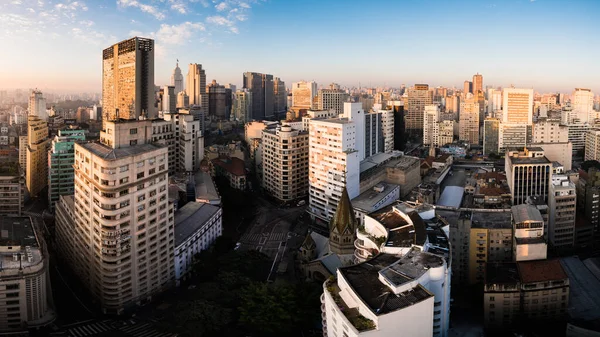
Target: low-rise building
(528,238)
(26,299)
(383,194)
(231,168)
(197,226)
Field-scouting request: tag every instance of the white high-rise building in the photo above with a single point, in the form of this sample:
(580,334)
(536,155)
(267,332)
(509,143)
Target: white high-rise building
(334,161)
(582,103)
(169,101)
(37,105)
(242,105)
(177,79)
(117,229)
(431,120)
(303,94)
(196,87)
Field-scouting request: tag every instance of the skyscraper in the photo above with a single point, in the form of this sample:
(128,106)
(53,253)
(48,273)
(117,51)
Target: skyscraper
(279,97)
(37,155)
(242,105)
(177,79)
(128,80)
(196,87)
(469,120)
(468,87)
(477,83)
(37,105)
(418,97)
(219,101)
(169,99)
(303,94)
(261,87)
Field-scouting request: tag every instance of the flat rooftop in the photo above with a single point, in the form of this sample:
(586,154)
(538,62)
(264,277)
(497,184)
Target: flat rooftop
(205,188)
(364,280)
(333,120)
(367,200)
(526,213)
(501,273)
(491,220)
(378,159)
(541,271)
(529,160)
(411,266)
(108,153)
(17,231)
(401,233)
(191,217)
(584,289)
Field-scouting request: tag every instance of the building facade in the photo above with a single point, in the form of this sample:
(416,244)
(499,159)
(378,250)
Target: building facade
(219,101)
(12,189)
(332,98)
(491,134)
(419,96)
(37,105)
(529,173)
(285,163)
(303,94)
(261,88)
(562,205)
(37,155)
(469,121)
(61,158)
(242,106)
(196,87)
(177,79)
(117,229)
(128,80)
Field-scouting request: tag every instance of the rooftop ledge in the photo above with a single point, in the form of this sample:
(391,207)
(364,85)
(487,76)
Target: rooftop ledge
(360,322)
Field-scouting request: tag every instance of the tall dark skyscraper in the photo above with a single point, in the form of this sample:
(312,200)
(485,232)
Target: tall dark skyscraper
(128,79)
(261,87)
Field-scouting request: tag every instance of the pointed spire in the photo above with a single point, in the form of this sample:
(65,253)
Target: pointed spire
(344,218)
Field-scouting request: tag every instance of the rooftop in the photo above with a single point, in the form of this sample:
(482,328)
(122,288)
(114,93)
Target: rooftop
(190,218)
(367,200)
(411,266)
(541,271)
(205,188)
(501,273)
(364,280)
(584,289)
(526,213)
(452,196)
(529,160)
(17,231)
(379,159)
(232,165)
(109,153)
(491,220)
(401,233)
(333,120)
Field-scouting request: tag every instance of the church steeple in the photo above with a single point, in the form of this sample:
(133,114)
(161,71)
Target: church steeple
(342,228)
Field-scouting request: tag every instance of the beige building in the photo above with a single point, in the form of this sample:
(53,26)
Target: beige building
(550,130)
(517,106)
(446,132)
(303,94)
(332,98)
(431,118)
(117,229)
(37,155)
(490,241)
(196,87)
(477,83)
(12,189)
(419,96)
(582,103)
(469,121)
(183,100)
(23,152)
(285,163)
(592,145)
(26,300)
(128,80)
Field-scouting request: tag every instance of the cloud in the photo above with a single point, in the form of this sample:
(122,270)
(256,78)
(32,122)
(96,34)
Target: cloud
(219,20)
(221,7)
(178,34)
(71,6)
(149,9)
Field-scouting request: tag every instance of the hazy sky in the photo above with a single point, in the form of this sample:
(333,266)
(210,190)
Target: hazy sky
(544,44)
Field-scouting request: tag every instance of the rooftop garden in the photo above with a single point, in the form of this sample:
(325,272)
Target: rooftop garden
(378,240)
(360,322)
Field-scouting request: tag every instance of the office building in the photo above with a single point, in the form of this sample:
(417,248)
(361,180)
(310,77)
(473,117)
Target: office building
(374,139)
(261,88)
(469,120)
(37,105)
(334,162)
(513,136)
(219,101)
(523,293)
(332,98)
(128,80)
(196,87)
(517,106)
(12,189)
(529,242)
(419,96)
(467,88)
(529,173)
(303,94)
(61,158)
(183,100)
(169,99)
(491,134)
(477,84)
(242,106)
(177,80)
(197,226)
(562,203)
(582,103)
(285,163)
(279,97)
(37,155)
(26,299)
(121,197)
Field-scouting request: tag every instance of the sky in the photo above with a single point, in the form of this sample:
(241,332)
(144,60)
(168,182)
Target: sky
(548,45)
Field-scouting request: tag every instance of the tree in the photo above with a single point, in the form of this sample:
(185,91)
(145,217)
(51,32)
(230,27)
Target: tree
(268,311)
(590,163)
(198,317)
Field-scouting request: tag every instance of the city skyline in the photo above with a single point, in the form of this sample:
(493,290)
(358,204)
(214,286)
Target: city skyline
(432,42)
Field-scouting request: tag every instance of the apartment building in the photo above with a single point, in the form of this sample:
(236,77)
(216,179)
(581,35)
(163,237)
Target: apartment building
(490,241)
(431,129)
(24,300)
(419,96)
(562,204)
(285,163)
(37,155)
(189,141)
(331,98)
(469,120)
(117,229)
(12,189)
